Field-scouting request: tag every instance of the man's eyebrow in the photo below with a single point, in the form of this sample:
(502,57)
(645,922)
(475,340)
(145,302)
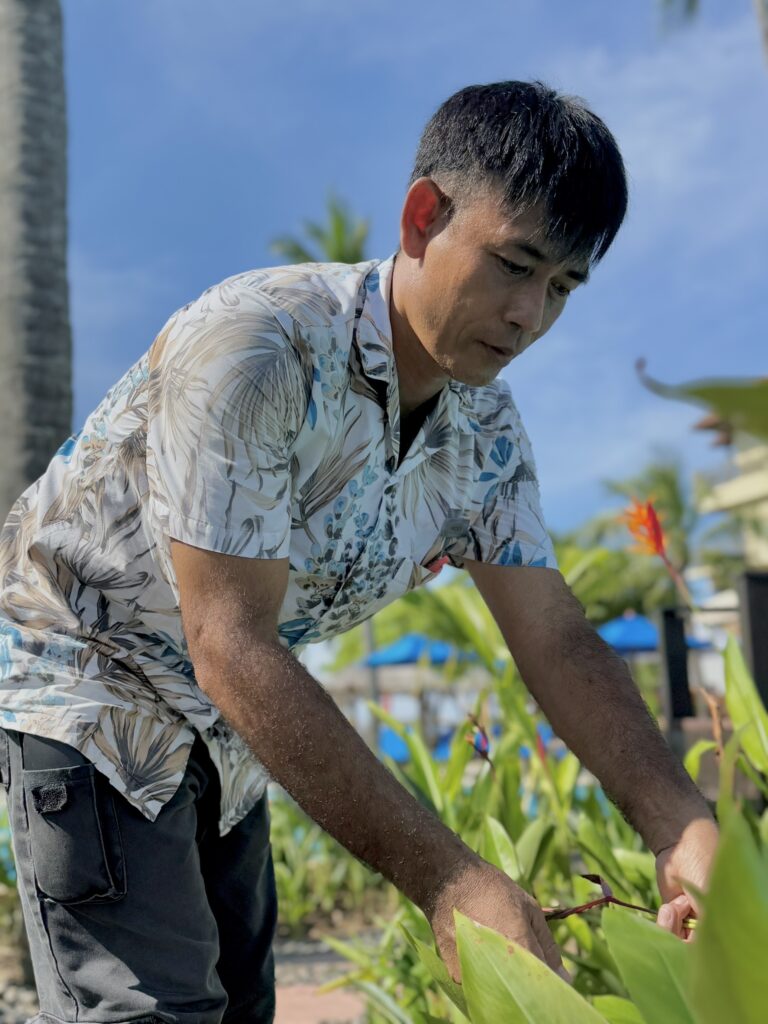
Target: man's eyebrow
(577,275)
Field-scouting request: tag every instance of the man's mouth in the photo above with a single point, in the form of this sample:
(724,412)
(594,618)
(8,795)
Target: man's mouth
(500,352)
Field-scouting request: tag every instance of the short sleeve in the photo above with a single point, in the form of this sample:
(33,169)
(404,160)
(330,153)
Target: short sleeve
(227,395)
(510,527)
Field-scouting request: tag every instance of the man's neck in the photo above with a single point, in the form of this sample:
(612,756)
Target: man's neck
(419,377)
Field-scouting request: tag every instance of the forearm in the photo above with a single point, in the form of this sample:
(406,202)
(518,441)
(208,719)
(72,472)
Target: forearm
(307,745)
(589,697)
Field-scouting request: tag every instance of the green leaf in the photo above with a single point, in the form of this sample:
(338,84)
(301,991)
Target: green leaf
(639,866)
(617,1010)
(729,979)
(741,402)
(595,845)
(532,848)
(654,964)
(745,706)
(692,759)
(499,849)
(422,765)
(505,983)
(566,773)
(433,963)
(349,951)
(726,802)
(383,1002)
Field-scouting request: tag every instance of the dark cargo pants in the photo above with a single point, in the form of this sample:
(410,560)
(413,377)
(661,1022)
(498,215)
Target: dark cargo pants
(134,920)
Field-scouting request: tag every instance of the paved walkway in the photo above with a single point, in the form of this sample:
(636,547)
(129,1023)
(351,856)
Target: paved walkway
(299,1004)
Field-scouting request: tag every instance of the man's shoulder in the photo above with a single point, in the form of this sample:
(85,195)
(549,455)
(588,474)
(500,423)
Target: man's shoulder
(311,294)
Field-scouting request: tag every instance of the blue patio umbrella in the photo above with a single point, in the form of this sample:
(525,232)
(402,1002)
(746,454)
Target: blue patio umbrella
(411,648)
(635,634)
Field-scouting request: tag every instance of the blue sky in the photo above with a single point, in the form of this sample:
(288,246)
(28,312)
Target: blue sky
(202,129)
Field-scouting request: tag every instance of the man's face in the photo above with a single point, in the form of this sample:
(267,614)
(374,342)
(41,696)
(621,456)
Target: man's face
(487,287)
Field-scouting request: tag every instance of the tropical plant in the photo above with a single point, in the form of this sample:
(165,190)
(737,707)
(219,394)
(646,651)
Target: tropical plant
(35,337)
(341,240)
(740,402)
(625,968)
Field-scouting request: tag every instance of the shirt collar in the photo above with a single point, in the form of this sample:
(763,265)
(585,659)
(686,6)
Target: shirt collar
(374,329)
(373,336)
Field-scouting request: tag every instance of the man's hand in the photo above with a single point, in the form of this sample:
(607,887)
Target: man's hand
(689,860)
(488,896)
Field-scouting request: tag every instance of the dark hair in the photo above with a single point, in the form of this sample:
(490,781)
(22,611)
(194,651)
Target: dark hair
(538,147)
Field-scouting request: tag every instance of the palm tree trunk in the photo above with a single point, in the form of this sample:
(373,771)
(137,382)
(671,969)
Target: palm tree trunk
(761,9)
(35,336)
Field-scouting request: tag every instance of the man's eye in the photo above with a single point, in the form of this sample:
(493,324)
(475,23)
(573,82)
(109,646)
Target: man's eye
(512,268)
(562,290)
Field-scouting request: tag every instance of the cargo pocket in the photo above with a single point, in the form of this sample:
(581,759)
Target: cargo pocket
(77,851)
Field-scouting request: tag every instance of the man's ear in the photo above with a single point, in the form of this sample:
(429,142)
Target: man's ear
(425,214)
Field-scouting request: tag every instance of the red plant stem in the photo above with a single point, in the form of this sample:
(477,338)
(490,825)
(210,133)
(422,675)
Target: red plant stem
(553,915)
(679,582)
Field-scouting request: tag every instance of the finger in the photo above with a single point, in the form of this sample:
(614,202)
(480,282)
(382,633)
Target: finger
(451,961)
(551,954)
(671,915)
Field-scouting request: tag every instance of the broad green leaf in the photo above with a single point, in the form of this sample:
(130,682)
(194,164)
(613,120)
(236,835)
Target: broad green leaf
(499,848)
(566,773)
(726,802)
(343,981)
(460,756)
(594,844)
(532,848)
(511,812)
(422,765)
(745,706)
(592,944)
(654,964)
(349,951)
(617,1010)
(503,982)
(639,866)
(692,759)
(743,402)
(432,961)
(383,1002)
(754,776)
(729,979)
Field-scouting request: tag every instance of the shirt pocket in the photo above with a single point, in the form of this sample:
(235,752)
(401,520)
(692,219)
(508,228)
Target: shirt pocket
(77,850)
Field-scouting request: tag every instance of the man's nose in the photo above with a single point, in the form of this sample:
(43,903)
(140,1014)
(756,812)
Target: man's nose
(526,308)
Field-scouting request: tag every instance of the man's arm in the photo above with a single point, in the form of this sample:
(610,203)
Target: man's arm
(586,692)
(229,609)
(589,697)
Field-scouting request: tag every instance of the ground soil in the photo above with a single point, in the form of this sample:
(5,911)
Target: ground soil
(300,968)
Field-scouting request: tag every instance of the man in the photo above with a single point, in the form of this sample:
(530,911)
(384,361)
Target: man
(299,447)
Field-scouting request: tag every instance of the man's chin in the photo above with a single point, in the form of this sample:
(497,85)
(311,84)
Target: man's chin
(476,378)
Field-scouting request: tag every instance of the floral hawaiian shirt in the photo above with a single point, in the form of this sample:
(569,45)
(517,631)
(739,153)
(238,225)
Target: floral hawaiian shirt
(262,422)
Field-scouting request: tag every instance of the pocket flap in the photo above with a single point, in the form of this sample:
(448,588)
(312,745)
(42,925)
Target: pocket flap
(50,797)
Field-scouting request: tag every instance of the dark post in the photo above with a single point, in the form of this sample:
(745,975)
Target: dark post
(674,666)
(753,603)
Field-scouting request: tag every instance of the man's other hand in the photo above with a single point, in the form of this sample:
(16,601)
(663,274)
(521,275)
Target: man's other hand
(689,860)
